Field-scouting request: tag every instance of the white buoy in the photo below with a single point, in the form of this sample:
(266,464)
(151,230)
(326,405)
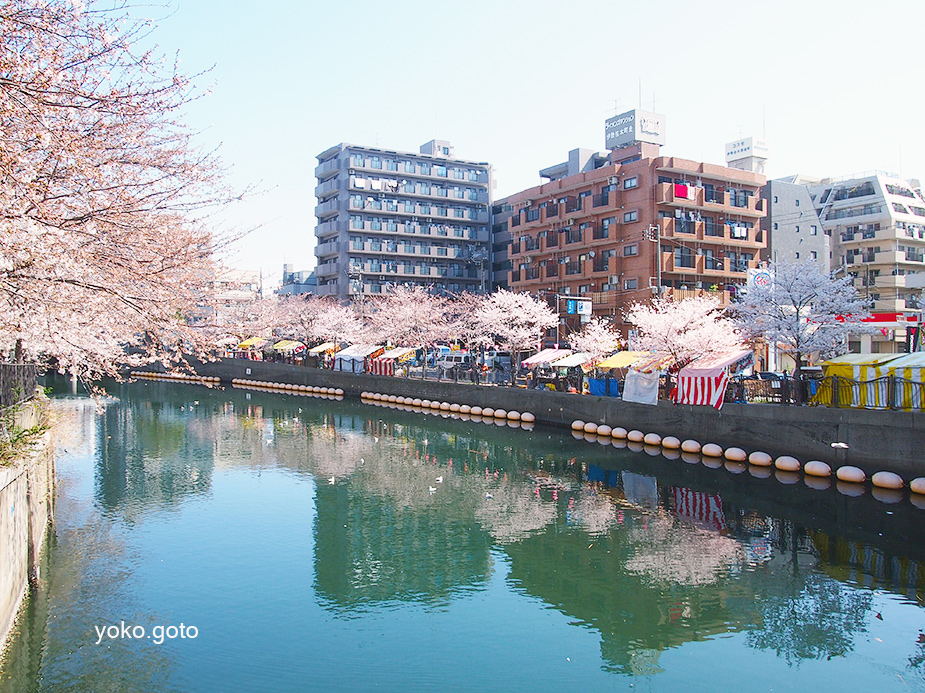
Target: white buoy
(652,439)
(444,406)
(690,446)
(711,450)
(604,430)
(455,407)
(425,403)
(786,463)
(465,409)
(760,459)
(635,436)
(735,454)
(889,480)
(500,414)
(851,474)
(578,425)
(339,392)
(590,427)
(476,411)
(817,468)
(527,417)
(619,433)
(917,485)
(416,402)
(671,443)
(515,416)
(488,412)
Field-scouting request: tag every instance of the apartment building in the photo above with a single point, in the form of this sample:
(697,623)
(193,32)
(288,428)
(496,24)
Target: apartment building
(876,222)
(386,218)
(793,230)
(630,222)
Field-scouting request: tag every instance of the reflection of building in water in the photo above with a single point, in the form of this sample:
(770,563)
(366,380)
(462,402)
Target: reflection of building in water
(368,549)
(152,453)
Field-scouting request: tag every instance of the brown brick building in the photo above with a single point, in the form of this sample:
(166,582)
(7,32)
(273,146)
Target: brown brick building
(593,233)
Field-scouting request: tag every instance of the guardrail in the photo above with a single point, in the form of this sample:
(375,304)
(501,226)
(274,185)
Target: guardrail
(17,383)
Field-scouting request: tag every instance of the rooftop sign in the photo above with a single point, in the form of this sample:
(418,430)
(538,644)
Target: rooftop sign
(634,126)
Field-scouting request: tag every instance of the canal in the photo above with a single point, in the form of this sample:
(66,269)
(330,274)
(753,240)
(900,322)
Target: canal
(229,540)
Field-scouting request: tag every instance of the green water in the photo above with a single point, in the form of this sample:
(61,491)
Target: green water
(324,546)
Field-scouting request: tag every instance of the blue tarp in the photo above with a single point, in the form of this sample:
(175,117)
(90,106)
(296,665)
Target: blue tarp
(604,387)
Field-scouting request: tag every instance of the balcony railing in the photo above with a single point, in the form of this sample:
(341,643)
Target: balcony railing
(601,232)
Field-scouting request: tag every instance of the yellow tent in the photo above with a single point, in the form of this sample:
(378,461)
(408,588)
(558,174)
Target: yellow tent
(861,381)
(622,359)
(252,343)
(288,345)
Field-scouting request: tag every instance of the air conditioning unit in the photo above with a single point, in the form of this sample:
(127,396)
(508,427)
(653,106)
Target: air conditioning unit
(613,180)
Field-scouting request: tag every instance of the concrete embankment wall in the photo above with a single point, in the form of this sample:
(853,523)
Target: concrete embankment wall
(26,506)
(877,440)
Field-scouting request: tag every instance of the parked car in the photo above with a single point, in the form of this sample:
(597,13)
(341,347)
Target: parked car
(454,360)
(499,360)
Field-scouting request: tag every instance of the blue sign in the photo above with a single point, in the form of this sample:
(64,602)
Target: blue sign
(570,306)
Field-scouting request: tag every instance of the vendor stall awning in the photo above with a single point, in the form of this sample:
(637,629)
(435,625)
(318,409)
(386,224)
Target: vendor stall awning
(546,356)
(321,348)
(653,363)
(704,380)
(622,359)
(385,364)
(573,360)
(252,343)
(288,345)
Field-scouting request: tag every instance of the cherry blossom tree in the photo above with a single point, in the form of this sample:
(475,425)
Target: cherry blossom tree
(597,338)
(803,310)
(684,329)
(515,321)
(409,316)
(104,248)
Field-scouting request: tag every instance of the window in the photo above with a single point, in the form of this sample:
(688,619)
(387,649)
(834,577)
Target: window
(391,165)
(409,167)
(409,207)
(425,188)
(375,224)
(409,186)
(630,216)
(813,230)
(446,151)
(356,222)
(375,162)
(814,255)
(459,212)
(630,284)
(775,198)
(474,176)
(797,203)
(459,174)
(630,250)
(797,256)
(631,183)
(584,289)
(472,194)
(356,201)
(441,171)
(458,192)
(797,229)
(357,160)
(775,226)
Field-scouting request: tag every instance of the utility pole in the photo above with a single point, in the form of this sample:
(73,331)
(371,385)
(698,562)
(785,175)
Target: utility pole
(654,233)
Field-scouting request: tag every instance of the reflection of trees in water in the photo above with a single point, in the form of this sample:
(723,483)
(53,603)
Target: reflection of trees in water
(665,551)
(817,617)
(151,454)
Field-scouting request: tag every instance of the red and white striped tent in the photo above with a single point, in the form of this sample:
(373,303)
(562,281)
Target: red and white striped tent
(704,380)
(385,364)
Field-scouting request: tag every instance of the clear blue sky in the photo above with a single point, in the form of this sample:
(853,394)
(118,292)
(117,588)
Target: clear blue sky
(835,87)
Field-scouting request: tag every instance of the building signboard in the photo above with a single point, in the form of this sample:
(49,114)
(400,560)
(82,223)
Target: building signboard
(578,306)
(746,147)
(634,126)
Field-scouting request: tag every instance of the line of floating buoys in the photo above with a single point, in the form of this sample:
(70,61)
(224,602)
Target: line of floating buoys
(335,393)
(487,415)
(887,486)
(207,380)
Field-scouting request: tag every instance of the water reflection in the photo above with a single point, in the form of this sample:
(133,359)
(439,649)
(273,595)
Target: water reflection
(646,553)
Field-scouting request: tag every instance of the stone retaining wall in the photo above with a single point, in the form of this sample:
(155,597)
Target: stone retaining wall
(877,440)
(26,506)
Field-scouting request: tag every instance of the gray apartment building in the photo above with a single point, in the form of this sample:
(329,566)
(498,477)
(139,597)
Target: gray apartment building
(388,218)
(792,227)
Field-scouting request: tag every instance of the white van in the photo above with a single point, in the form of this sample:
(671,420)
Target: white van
(454,360)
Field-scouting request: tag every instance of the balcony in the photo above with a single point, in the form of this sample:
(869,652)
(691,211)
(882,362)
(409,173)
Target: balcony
(573,268)
(325,229)
(326,209)
(552,270)
(531,244)
(552,239)
(667,194)
(531,273)
(327,169)
(328,187)
(552,210)
(600,200)
(327,269)
(573,204)
(329,248)
(600,232)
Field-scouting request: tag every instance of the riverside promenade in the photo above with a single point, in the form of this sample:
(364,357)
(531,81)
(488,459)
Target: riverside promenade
(876,440)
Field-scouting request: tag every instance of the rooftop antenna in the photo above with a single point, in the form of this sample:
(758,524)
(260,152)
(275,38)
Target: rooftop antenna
(640,93)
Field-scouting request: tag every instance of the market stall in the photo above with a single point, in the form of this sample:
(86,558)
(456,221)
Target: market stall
(356,358)
(872,381)
(643,377)
(386,363)
(251,349)
(611,371)
(704,380)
